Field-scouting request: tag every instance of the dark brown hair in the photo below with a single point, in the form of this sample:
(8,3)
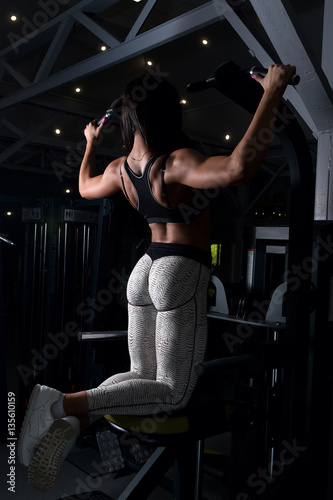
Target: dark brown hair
(152,106)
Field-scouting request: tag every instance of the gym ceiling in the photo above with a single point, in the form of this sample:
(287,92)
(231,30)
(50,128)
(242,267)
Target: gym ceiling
(63,62)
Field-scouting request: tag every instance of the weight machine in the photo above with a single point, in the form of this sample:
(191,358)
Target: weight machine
(276,354)
(282,348)
(64,262)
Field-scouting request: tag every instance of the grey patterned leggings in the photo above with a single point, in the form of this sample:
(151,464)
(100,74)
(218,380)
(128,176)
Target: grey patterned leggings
(167,301)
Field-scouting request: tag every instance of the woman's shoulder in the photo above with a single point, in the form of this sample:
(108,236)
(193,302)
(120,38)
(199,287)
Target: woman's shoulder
(113,171)
(183,156)
(115,164)
(180,163)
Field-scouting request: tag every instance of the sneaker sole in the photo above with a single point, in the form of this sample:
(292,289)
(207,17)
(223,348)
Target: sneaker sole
(48,458)
(33,395)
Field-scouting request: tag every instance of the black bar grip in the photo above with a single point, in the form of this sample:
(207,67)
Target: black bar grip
(5,240)
(255,70)
(200,85)
(197,86)
(113,111)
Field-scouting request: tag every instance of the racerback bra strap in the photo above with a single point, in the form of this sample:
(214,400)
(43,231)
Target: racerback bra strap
(130,174)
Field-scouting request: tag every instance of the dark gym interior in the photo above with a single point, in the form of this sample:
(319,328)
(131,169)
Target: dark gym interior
(266,432)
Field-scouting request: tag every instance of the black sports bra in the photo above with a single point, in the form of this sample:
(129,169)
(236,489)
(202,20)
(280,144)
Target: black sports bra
(151,209)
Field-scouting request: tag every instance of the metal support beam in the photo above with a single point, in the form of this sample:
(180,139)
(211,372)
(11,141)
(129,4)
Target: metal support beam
(12,127)
(314,90)
(19,77)
(32,39)
(265,188)
(54,50)
(324,178)
(141,19)
(265,59)
(327,47)
(256,50)
(26,139)
(103,35)
(282,27)
(171,30)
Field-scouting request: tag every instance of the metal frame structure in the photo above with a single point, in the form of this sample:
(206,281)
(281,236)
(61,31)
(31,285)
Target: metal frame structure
(277,19)
(133,45)
(312,99)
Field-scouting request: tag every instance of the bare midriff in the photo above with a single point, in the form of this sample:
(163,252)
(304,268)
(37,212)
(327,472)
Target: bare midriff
(196,233)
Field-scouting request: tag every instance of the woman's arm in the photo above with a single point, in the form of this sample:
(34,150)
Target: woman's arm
(94,186)
(198,171)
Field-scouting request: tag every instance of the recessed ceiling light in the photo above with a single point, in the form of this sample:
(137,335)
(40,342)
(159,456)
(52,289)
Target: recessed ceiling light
(137,1)
(183,101)
(77,90)
(103,47)
(149,63)
(68,191)
(13,18)
(8,213)
(227,137)
(57,131)
(204,42)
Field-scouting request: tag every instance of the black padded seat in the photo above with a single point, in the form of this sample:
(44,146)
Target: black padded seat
(175,440)
(202,418)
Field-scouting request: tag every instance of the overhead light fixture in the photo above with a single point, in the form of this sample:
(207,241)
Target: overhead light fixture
(103,48)
(137,1)
(68,191)
(183,101)
(57,131)
(204,42)
(227,137)
(13,18)
(8,213)
(77,90)
(149,63)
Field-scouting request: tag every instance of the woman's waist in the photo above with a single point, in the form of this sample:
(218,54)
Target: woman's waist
(157,249)
(194,234)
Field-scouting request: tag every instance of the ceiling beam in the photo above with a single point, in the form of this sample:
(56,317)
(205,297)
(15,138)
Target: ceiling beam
(7,153)
(282,27)
(55,48)
(155,37)
(323,209)
(12,127)
(94,28)
(264,57)
(255,48)
(327,46)
(141,19)
(33,35)
(16,74)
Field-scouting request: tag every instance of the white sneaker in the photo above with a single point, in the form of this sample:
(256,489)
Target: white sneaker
(57,443)
(37,421)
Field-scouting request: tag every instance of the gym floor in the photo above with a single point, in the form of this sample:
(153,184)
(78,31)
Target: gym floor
(81,473)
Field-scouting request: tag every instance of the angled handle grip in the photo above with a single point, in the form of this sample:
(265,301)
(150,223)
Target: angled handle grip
(255,70)
(113,111)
